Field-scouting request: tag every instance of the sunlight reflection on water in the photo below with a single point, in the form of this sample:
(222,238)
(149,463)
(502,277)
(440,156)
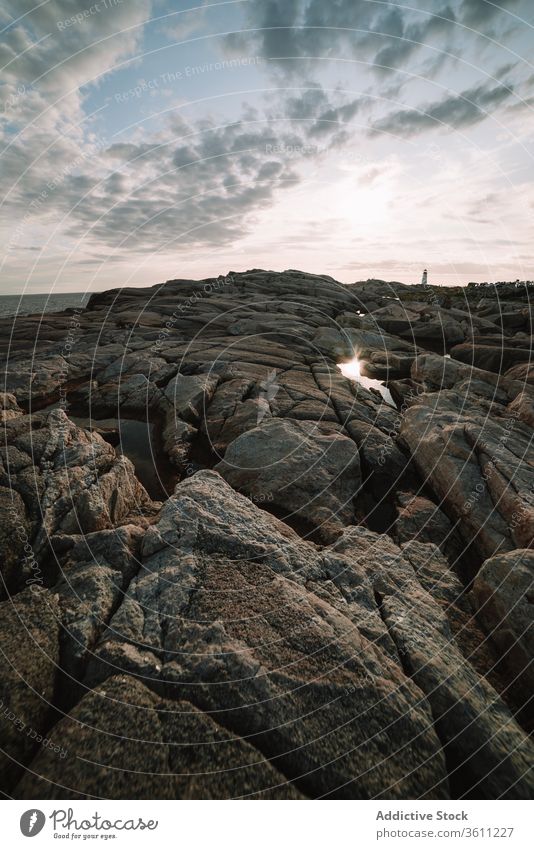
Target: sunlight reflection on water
(351,370)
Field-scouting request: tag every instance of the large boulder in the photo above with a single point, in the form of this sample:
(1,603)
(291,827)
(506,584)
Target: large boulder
(132,393)
(283,643)
(496,358)
(96,569)
(503,594)
(151,748)
(29,658)
(35,377)
(487,751)
(476,459)
(311,653)
(436,326)
(420,519)
(433,372)
(522,372)
(343,342)
(523,407)
(9,409)
(16,532)
(189,395)
(73,478)
(58,478)
(303,470)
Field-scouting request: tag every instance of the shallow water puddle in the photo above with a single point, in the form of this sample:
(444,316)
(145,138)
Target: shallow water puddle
(351,370)
(136,440)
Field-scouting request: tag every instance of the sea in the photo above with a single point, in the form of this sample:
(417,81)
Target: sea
(32,304)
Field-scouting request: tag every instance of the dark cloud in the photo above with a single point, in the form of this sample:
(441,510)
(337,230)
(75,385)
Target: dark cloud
(454,112)
(407,37)
(289,30)
(322,112)
(336,115)
(477,13)
(196,191)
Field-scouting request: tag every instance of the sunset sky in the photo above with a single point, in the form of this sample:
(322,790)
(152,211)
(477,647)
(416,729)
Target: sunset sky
(357,138)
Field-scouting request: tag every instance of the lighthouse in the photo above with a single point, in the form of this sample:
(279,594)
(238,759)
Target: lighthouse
(424,279)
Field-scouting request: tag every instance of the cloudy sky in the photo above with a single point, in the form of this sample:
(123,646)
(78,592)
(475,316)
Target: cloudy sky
(143,141)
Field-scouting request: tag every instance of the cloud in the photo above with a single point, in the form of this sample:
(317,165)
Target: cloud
(51,51)
(478,13)
(322,113)
(196,190)
(58,45)
(291,33)
(406,37)
(190,183)
(200,183)
(457,111)
(169,184)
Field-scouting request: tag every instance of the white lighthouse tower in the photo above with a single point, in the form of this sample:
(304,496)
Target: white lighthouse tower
(424,280)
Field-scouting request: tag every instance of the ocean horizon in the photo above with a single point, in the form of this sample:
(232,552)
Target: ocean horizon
(45,303)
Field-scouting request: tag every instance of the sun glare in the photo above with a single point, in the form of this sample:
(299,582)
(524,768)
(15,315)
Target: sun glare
(351,369)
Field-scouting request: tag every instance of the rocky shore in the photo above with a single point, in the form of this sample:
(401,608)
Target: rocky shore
(230,571)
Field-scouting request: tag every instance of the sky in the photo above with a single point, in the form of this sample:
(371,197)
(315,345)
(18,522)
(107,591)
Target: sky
(147,141)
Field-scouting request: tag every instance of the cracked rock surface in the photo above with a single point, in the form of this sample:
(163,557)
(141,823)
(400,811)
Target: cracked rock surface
(229,571)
